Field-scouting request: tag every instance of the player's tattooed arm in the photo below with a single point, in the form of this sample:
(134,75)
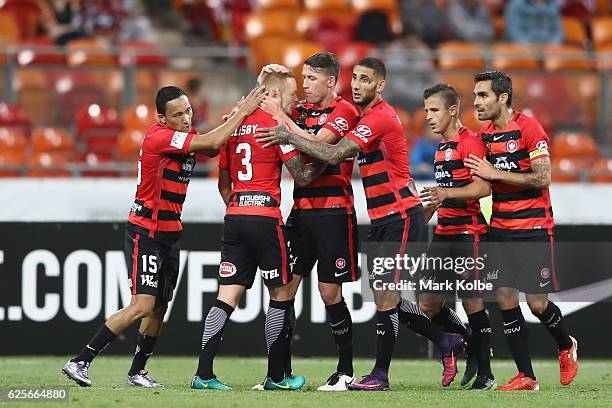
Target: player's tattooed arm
(225,185)
(539,177)
(332,154)
(212,141)
(304,173)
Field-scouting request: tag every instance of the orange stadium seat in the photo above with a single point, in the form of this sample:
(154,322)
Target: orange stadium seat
(602,171)
(574,32)
(602,7)
(14,117)
(601,31)
(460,55)
(270,24)
(39,52)
(13,142)
(29,14)
(265,5)
(327,5)
(49,165)
(566,58)
(574,145)
(53,140)
(500,27)
(10,164)
(294,56)
(99,127)
(128,144)
(139,117)
(88,52)
(267,51)
(514,57)
(73,90)
(566,170)
(9,29)
(34,95)
(469,119)
(419,118)
(141,53)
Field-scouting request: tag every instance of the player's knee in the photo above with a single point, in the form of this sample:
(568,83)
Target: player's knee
(141,310)
(430,308)
(537,307)
(330,293)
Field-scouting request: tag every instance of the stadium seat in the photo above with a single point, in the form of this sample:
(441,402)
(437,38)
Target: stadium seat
(9,29)
(34,95)
(98,127)
(329,29)
(141,53)
(574,32)
(601,31)
(602,171)
(574,145)
(98,165)
(14,117)
(270,24)
(404,116)
(73,90)
(469,119)
(266,5)
(500,27)
(139,117)
(49,165)
(602,7)
(128,145)
(513,57)
(88,52)
(350,53)
(566,58)
(268,50)
(460,55)
(28,14)
(11,164)
(53,140)
(13,142)
(419,118)
(40,51)
(294,56)
(566,170)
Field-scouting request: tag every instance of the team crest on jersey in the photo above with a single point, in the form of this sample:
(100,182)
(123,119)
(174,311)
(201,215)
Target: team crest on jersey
(340,263)
(342,123)
(542,144)
(545,273)
(322,119)
(227,269)
(448,154)
(512,146)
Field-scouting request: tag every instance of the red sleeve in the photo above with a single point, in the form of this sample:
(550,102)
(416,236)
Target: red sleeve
(286,152)
(223,163)
(368,129)
(536,138)
(473,144)
(342,119)
(168,141)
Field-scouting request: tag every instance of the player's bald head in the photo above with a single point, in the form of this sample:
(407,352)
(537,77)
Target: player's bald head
(276,80)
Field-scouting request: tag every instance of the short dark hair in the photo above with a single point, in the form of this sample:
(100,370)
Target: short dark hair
(374,63)
(324,62)
(500,83)
(451,97)
(166,94)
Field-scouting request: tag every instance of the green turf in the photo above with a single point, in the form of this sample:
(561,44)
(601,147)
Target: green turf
(413,383)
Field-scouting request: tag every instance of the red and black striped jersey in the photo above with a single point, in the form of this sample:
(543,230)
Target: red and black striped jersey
(164,170)
(384,165)
(518,211)
(458,216)
(255,171)
(331,192)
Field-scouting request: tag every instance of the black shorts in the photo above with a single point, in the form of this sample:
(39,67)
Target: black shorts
(401,237)
(526,264)
(454,262)
(331,241)
(251,242)
(153,265)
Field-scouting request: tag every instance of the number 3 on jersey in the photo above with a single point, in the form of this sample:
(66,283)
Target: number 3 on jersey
(247,174)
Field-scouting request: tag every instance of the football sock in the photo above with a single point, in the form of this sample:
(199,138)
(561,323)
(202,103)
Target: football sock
(341,326)
(481,341)
(553,320)
(516,333)
(412,316)
(448,319)
(211,337)
(144,349)
(277,330)
(292,324)
(386,333)
(103,337)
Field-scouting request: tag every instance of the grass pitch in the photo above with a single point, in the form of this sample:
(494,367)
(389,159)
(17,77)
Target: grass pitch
(413,383)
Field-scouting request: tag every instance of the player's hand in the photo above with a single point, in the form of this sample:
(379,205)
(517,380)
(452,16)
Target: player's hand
(433,196)
(252,100)
(480,167)
(272,104)
(271,68)
(273,136)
